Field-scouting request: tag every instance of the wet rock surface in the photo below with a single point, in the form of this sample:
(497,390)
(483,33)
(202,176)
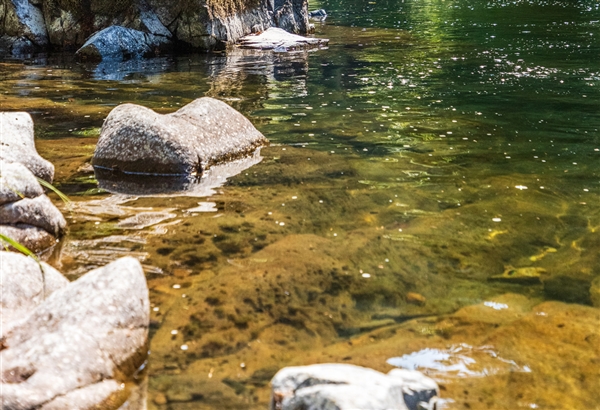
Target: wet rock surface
(206,132)
(78,347)
(17,141)
(348,387)
(280,40)
(120,43)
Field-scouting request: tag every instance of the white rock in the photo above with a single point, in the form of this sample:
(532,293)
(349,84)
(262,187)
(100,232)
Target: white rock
(80,344)
(16,139)
(349,387)
(17,182)
(278,39)
(39,211)
(24,284)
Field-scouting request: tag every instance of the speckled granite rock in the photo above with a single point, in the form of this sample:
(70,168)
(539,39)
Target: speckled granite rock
(18,145)
(347,387)
(24,284)
(120,43)
(26,214)
(17,182)
(205,132)
(77,348)
(39,211)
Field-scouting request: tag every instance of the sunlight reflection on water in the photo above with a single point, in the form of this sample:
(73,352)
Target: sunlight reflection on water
(458,361)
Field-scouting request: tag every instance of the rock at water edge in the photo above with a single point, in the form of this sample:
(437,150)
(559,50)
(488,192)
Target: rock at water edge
(78,347)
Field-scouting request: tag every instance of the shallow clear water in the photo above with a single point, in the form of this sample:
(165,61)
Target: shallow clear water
(419,165)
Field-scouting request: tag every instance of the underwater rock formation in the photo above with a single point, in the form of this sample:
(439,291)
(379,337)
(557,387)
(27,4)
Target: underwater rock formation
(78,347)
(206,132)
(347,387)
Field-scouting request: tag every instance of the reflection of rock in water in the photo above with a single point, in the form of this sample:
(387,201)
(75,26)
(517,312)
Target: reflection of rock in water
(240,68)
(120,70)
(214,177)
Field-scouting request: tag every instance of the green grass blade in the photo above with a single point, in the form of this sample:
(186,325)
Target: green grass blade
(52,188)
(21,248)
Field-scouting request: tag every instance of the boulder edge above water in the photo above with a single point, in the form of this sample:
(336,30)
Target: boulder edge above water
(349,387)
(206,132)
(27,215)
(121,43)
(18,145)
(78,348)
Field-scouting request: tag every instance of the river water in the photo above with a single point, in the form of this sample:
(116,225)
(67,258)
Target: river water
(430,200)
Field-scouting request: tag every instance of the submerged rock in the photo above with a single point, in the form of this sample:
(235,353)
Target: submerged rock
(280,40)
(524,275)
(18,144)
(206,132)
(595,292)
(348,387)
(319,15)
(120,43)
(77,348)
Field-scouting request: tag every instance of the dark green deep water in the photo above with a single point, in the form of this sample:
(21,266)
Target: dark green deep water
(432,146)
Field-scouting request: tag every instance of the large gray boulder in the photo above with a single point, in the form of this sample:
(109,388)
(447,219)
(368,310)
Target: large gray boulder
(205,132)
(26,214)
(348,387)
(24,284)
(120,43)
(80,346)
(18,144)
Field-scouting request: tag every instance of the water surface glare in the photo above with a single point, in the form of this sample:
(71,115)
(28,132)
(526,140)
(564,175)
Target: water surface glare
(432,186)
